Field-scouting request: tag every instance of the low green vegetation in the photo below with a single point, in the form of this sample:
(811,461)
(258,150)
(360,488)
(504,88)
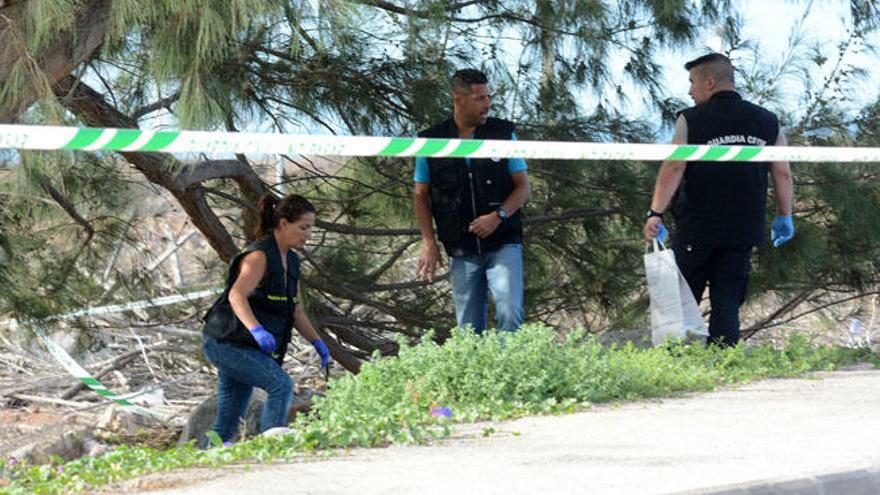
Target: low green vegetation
(417,396)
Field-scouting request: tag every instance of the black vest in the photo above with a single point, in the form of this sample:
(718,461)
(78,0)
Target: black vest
(273,302)
(725,203)
(460,194)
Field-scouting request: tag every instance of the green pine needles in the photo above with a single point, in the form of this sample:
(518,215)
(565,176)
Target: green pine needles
(417,396)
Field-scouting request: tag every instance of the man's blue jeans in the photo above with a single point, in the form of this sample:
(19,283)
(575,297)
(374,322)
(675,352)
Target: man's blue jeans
(239,370)
(499,271)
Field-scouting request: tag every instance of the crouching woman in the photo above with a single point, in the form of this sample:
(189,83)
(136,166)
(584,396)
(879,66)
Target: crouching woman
(248,328)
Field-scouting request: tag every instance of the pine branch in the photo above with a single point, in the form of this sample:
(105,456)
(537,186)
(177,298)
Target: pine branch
(113,100)
(330,180)
(291,19)
(340,354)
(832,78)
(529,222)
(342,289)
(790,305)
(158,105)
(375,274)
(421,14)
(229,197)
(251,186)
(68,208)
(365,231)
(344,329)
(395,9)
(415,284)
(312,115)
(211,169)
(63,53)
(116,363)
(570,215)
(91,108)
(764,324)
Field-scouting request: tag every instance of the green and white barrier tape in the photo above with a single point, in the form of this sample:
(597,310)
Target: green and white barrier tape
(93,383)
(146,303)
(72,367)
(119,308)
(133,140)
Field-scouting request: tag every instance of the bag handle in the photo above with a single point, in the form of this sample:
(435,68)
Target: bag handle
(658,246)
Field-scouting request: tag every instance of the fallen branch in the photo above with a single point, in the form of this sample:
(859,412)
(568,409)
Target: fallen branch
(36,382)
(48,400)
(766,323)
(114,364)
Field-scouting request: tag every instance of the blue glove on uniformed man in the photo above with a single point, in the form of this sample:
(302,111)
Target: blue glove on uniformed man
(782,230)
(662,233)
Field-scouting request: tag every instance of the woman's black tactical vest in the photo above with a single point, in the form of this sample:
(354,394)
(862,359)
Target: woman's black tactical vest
(725,203)
(273,301)
(460,194)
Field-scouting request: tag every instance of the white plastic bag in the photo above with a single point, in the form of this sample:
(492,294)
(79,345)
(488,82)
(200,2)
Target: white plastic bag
(674,312)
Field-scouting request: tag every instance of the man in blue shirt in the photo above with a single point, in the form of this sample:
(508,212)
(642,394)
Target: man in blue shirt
(476,206)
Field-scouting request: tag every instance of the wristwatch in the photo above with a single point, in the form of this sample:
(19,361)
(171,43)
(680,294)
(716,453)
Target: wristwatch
(652,213)
(501,213)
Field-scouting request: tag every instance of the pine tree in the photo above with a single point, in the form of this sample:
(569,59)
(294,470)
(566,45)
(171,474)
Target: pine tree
(380,67)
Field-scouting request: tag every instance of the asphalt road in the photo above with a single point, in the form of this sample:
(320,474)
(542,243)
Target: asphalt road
(743,440)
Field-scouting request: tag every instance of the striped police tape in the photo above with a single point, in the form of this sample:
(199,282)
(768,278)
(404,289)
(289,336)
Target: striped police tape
(133,140)
(132,306)
(27,137)
(72,367)
(93,383)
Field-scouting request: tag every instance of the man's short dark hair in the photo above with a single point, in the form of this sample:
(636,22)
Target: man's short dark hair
(715,64)
(463,79)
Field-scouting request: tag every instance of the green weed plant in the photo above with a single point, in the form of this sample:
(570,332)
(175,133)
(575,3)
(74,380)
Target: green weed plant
(417,396)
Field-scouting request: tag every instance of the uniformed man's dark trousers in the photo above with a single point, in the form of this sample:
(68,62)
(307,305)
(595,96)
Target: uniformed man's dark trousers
(726,270)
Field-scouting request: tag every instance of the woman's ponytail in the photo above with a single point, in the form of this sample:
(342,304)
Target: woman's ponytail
(266,205)
(272,210)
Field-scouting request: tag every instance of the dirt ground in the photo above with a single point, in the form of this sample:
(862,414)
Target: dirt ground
(24,422)
(19,426)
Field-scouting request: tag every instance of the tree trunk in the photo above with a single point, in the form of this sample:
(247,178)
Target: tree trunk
(182,181)
(91,108)
(548,56)
(57,60)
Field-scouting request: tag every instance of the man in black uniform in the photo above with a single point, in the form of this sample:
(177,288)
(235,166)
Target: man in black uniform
(475,204)
(720,207)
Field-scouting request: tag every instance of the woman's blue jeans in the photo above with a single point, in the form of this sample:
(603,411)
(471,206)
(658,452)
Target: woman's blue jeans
(499,272)
(239,370)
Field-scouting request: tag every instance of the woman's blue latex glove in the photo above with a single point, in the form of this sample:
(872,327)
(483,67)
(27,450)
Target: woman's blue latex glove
(782,230)
(321,349)
(264,339)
